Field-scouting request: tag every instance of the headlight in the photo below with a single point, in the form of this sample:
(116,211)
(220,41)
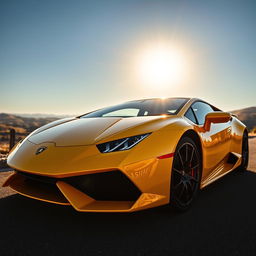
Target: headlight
(121,144)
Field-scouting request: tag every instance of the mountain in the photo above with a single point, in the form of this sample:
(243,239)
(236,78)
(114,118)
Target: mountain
(247,116)
(22,125)
(39,115)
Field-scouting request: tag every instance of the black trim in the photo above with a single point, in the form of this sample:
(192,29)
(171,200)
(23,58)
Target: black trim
(43,179)
(232,159)
(193,115)
(44,185)
(105,186)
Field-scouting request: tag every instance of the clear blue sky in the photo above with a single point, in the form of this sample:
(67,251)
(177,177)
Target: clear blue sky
(70,57)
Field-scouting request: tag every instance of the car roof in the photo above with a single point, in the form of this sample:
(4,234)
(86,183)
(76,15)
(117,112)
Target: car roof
(161,98)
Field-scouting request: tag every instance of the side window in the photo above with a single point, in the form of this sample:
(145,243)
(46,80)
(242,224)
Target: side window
(201,109)
(190,115)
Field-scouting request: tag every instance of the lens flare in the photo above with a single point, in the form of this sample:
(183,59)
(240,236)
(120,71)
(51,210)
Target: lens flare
(161,67)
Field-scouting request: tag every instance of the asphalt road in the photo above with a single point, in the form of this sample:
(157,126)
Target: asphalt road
(221,222)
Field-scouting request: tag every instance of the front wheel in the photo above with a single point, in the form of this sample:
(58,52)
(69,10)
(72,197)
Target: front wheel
(186,174)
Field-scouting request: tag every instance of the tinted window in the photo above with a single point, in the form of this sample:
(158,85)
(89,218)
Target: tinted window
(190,115)
(201,109)
(150,107)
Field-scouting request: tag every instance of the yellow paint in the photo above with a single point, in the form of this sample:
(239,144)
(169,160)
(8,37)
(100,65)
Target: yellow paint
(74,154)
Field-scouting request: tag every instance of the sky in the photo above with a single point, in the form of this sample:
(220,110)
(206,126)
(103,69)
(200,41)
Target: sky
(71,57)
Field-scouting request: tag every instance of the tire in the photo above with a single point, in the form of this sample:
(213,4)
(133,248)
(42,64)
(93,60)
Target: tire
(245,153)
(186,174)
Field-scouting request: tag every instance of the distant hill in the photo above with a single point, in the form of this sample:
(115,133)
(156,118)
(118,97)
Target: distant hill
(247,116)
(22,125)
(35,115)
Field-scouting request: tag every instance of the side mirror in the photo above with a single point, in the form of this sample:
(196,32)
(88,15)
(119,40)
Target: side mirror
(215,118)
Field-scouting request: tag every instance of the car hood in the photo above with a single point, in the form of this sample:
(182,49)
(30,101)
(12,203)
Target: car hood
(87,131)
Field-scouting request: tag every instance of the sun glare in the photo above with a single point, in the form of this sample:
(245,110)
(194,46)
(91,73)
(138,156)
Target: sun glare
(161,67)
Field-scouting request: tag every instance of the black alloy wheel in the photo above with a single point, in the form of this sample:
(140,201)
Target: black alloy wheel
(186,174)
(245,153)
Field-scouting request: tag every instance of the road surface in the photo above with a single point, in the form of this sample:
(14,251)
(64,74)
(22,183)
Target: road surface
(221,222)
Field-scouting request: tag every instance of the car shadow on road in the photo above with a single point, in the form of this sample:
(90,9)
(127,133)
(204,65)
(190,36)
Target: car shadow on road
(222,221)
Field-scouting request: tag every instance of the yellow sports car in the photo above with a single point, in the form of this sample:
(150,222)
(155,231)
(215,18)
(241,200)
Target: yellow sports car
(130,157)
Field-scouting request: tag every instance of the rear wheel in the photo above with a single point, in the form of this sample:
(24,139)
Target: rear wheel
(245,153)
(186,174)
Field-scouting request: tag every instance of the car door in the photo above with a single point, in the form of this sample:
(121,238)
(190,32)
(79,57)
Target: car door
(216,142)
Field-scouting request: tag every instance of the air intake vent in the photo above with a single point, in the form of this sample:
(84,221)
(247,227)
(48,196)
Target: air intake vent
(106,186)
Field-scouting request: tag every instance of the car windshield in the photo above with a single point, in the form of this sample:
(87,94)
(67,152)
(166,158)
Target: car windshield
(149,107)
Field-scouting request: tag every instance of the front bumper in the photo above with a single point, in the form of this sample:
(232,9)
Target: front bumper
(141,167)
(136,187)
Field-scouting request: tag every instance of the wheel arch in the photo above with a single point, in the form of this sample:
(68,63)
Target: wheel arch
(195,137)
(246,131)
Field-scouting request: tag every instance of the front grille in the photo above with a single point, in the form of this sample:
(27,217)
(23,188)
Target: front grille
(106,186)
(43,179)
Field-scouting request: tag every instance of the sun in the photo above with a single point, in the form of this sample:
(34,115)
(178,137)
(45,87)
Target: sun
(161,66)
